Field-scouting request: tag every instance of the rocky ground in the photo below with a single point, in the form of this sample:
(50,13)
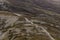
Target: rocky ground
(28,23)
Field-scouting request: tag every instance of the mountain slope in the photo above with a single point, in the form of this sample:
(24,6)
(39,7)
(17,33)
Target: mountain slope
(53,5)
(29,20)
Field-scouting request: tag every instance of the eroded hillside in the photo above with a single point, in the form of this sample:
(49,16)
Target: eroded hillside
(28,22)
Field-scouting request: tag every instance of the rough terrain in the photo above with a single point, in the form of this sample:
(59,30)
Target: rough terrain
(29,21)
